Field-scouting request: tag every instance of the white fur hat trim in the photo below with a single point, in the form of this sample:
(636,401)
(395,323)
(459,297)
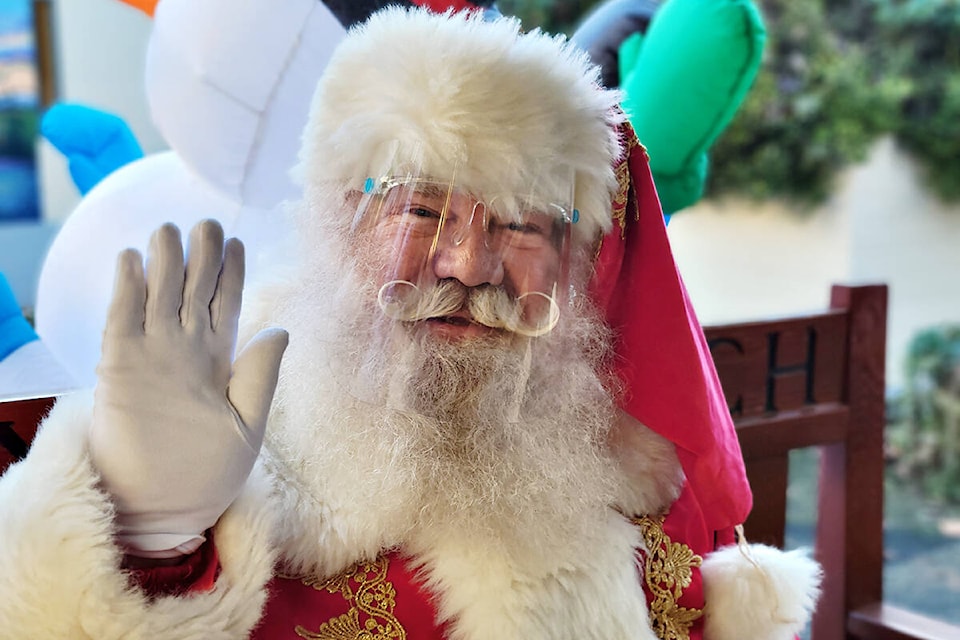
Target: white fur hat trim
(508,112)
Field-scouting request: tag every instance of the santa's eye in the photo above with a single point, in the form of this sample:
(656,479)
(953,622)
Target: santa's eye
(423,212)
(524,227)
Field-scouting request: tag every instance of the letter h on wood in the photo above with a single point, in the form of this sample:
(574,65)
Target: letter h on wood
(776,371)
(766,369)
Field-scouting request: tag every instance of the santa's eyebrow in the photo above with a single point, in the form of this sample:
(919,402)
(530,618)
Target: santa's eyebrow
(431,190)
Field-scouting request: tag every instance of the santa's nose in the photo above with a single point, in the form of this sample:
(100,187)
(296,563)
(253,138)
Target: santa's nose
(467,253)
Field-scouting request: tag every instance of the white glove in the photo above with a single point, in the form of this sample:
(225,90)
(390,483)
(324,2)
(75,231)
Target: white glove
(175,432)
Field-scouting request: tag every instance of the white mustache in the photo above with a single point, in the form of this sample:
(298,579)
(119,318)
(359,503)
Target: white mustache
(488,305)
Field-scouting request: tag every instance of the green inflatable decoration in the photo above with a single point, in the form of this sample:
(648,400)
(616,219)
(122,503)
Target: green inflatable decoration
(684,79)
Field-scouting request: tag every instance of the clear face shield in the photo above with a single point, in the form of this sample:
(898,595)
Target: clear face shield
(466,264)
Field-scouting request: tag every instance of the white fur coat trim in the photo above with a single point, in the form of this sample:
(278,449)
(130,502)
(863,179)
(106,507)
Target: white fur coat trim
(60,572)
(487,596)
(487,589)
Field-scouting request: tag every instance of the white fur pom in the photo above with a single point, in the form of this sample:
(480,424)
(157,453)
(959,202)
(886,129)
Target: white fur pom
(756,592)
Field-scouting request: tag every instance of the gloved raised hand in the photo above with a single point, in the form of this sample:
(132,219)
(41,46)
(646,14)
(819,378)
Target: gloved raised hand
(177,425)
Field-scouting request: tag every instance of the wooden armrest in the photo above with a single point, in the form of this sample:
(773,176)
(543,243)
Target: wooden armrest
(880,621)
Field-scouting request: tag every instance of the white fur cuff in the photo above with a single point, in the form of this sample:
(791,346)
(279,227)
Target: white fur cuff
(756,592)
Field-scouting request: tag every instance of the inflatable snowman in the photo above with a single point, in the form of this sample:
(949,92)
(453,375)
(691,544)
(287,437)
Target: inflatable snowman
(228,85)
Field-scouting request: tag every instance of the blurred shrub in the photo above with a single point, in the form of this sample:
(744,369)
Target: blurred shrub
(18,132)
(553,16)
(919,43)
(816,107)
(838,74)
(924,431)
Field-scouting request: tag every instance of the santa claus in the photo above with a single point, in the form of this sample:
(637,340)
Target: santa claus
(495,418)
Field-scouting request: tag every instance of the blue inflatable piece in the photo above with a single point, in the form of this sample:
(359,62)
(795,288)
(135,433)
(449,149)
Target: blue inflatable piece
(95,143)
(15,331)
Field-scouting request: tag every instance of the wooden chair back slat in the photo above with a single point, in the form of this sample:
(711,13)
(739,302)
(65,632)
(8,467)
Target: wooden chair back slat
(771,367)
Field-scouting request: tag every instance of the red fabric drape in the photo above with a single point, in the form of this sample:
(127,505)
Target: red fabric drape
(670,381)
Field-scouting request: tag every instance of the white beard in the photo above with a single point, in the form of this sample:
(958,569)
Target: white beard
(383,437)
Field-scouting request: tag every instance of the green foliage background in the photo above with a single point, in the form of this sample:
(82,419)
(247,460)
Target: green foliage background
(837,74)
(816,106)
(923,39)
(18,132)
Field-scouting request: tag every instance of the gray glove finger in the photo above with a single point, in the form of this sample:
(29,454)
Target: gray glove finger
(204,258)
(164,278)
(254,380)
(225,307)
(125,315)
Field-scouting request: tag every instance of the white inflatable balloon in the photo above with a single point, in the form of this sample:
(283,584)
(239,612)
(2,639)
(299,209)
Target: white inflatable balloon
(229,86)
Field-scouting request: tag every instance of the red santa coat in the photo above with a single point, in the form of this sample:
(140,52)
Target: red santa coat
(385,598)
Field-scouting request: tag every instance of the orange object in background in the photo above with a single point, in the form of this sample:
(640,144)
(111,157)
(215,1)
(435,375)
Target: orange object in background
(147,6)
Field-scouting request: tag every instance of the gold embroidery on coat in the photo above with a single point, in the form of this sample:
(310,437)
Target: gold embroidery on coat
(668,570)
(623,194)
(621,201)
(370,595)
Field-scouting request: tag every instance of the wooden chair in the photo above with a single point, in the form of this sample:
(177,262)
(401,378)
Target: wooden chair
(818,381)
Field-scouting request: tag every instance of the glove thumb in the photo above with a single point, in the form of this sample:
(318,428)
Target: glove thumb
(254,379)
